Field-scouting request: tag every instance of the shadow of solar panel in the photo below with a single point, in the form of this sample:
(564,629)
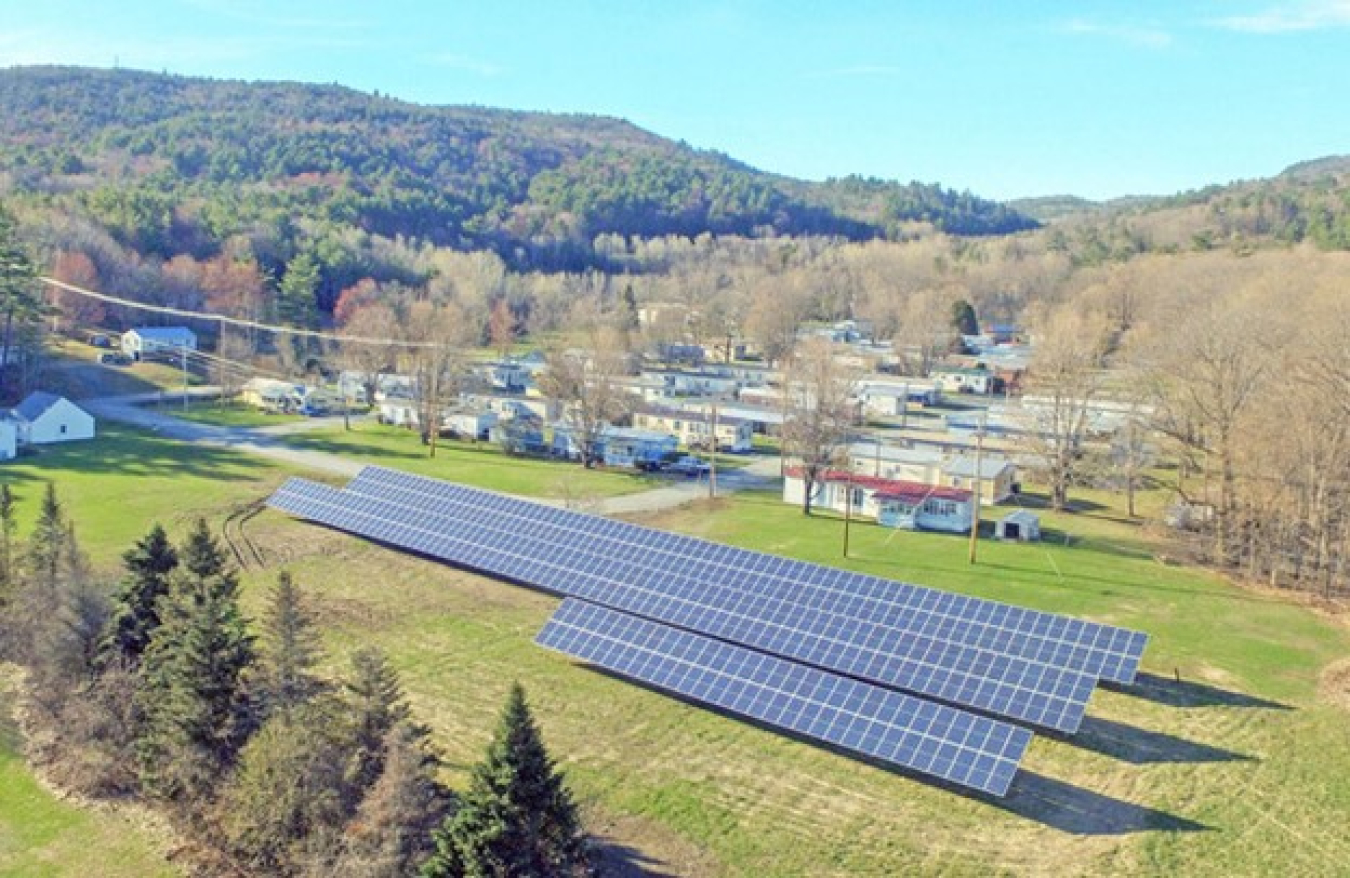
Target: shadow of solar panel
(1105,651)
(932,739)
(1009,686)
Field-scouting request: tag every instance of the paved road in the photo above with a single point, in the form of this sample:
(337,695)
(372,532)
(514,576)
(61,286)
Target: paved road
(139,411)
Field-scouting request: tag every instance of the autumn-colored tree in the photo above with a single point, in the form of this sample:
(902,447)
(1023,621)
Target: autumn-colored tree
(72,310)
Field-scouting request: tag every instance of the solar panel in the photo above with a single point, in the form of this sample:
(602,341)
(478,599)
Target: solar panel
(965,749)
(1009,686)
(1105,651)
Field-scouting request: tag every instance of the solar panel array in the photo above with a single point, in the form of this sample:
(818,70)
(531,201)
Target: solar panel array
(940,741)
(575,564)
(678,612)
(1105,651)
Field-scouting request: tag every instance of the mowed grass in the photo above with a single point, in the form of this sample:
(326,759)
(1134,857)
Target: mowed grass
(230,414)
(1242,768)
(482,465)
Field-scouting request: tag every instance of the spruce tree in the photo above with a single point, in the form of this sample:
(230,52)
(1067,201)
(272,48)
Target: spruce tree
(196,707)
(375,704)
(517,818)
(288,649)
(149,564)
(202,556)
(48,544)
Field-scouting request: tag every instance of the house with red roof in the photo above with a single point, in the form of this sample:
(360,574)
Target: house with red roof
(889,502)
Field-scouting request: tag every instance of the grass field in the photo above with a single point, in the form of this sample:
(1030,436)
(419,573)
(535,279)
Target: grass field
(1241,768)
(482,465)
(231,414)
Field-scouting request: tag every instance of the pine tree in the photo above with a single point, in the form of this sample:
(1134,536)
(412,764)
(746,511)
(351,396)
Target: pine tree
(202,556)
(196,708)
(517,818)
(149,564)
(288,649)
(20,298)
(48,547)
(375,703)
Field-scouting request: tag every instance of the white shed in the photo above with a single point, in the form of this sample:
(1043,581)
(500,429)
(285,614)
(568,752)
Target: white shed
(1019,525)
(44,418)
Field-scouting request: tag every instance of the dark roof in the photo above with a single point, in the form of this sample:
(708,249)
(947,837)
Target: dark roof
(889,489)
(36,404)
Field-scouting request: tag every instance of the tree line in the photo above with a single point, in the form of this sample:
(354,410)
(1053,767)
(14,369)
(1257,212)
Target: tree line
(159,689)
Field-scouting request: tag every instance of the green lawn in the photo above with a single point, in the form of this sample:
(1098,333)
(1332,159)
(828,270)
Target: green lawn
(1242,768)
(231,414)
(482,465)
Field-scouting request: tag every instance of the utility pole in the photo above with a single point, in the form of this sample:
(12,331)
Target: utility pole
(848,504)
(975,512)
(183,350)
(712,454)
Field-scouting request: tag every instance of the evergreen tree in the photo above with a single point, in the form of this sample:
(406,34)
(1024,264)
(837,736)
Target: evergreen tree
(196,708)
(375,703)
(517,818)
(9,524)
(288,649)
(21,305)
(149,564)
(202,556)
(48,546)
(963,318)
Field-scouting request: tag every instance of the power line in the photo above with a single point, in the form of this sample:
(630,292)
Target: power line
(238,321)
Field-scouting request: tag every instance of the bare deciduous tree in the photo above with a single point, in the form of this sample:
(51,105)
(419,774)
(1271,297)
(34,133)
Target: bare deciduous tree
(820,412)
(586,384)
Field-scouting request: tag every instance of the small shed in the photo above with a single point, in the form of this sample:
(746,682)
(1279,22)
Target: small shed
(43,418)
(1019,525)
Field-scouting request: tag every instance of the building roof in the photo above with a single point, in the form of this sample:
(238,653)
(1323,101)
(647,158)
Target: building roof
(36,404)
(175,334)
(704,417)
(889,489)
(1022,516)
(964,466)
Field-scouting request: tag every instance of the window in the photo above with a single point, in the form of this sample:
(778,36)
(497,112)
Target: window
(63,429)
(944,508)
(857,498)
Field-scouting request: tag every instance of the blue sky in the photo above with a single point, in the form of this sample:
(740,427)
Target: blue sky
(1003,98)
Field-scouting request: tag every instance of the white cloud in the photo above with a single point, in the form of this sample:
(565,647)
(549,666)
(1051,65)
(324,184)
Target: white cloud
(453,61)
(1139,36)
(1292,17)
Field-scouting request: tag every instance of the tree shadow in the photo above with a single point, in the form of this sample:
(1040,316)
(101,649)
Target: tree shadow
(135,452)
(1187,693)
(1143,747)
(622,861)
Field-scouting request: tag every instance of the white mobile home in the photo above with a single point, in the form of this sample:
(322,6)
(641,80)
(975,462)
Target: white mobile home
(148,341)
(9,438)
(889,502)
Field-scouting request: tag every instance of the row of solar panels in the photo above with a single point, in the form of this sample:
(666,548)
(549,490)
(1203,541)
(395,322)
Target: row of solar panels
(864,631)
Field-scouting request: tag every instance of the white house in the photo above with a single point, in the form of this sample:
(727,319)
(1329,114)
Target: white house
(146,341)
(44,418)
(694,428)
(998,476)
(890,502)
(9,439)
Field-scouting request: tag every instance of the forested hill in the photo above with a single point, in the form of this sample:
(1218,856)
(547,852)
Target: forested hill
(174,164)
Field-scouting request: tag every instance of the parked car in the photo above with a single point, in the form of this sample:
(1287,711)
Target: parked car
(114,359)
(690,466)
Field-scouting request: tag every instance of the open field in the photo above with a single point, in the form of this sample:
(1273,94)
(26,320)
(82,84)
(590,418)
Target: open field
(1242,768)
(482,465)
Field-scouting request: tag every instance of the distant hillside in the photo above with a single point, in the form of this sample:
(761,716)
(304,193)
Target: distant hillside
(174,164)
